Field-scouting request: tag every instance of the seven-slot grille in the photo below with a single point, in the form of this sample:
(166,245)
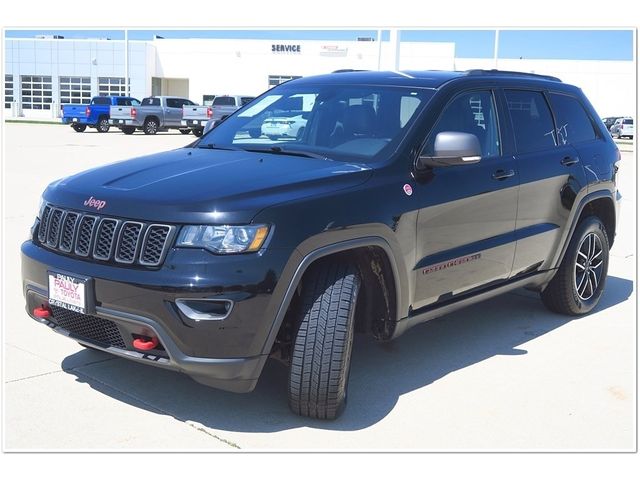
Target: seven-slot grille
(103,238)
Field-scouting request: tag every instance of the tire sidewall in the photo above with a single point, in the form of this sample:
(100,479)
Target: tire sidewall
(148,129)
(103,125)
(588,226)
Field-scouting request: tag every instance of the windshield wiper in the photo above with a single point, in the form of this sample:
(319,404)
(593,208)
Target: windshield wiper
(283,151)
(213,146)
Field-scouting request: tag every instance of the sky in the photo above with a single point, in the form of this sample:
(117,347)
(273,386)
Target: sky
(545,44)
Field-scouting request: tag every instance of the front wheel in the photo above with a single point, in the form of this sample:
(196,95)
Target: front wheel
(578,284)
(103,125)
(321,358)
(79,128)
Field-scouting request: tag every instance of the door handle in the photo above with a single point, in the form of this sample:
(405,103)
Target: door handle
(568,161)
(502,174)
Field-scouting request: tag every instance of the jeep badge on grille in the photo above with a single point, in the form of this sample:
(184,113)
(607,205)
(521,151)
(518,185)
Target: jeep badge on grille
(95,203)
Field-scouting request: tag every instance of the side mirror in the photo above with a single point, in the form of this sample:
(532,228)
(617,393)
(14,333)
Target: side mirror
(452,148)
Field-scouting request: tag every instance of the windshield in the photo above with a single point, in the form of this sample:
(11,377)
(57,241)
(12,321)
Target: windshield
(341,122)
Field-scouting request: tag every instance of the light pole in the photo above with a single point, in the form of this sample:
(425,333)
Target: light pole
(495,49)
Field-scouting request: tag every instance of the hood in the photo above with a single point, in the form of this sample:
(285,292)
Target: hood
(192,185)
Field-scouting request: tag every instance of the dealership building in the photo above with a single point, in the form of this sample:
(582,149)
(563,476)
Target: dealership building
(40,74)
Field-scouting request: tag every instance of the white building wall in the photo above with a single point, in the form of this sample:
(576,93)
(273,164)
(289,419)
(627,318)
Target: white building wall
(220,66)
(82,58)
(242,67)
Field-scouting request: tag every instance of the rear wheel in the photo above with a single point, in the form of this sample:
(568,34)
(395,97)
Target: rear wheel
(320,364)
(128,130)
(150,126)
(578,284)
(185,131)
(273,137)
(197,132)
(79,128)
(103,125)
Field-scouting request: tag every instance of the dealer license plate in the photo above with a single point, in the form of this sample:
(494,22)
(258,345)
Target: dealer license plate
(68,292)
(75,119)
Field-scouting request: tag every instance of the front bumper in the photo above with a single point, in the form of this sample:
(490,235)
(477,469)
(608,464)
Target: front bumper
(227,354)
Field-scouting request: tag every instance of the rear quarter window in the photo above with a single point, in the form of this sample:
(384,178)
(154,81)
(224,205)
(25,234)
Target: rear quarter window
(531,119)
(574,123)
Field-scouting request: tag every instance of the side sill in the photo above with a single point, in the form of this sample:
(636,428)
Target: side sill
(431,312)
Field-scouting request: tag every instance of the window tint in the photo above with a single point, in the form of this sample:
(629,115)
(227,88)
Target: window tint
(153,101)
(469,113)
(574,124)
(628,121)
(531,120)
(174,103)
(349,122)
(101,101)
(224,101)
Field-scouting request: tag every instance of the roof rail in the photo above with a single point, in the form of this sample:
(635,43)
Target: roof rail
(507,72)
(347,70)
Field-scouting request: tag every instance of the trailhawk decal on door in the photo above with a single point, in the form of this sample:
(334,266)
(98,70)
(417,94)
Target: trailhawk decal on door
(450,263)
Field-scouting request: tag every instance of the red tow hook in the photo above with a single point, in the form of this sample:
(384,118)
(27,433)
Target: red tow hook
(141,344)
(42,312)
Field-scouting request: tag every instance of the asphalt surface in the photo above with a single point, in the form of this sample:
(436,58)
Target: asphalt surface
(503,375)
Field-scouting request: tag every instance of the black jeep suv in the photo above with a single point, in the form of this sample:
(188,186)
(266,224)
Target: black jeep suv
(377,201)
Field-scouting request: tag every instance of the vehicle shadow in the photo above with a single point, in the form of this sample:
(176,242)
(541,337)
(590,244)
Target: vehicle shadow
(380,373)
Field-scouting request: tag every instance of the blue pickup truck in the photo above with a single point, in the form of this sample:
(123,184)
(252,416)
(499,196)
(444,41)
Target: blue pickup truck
(94,115)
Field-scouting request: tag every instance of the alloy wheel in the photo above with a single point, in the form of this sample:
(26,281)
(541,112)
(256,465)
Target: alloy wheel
(588,267)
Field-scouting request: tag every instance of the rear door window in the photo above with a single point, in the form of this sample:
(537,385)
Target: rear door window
(224,101)
(531,119)
(101,101)
(574,124)
(174,103)
(151,101)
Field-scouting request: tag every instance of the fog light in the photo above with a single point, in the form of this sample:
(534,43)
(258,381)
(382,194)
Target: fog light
(199,309)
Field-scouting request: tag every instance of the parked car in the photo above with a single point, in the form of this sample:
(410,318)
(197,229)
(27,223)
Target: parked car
(95,115)
(609,121)
(224,105)
(407,196)
(196,117)
(623,127)
(284,127)
(155,114)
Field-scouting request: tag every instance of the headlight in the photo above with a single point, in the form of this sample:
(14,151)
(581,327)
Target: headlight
(223,238)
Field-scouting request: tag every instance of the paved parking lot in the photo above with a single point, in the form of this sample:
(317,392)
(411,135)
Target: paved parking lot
(502,375)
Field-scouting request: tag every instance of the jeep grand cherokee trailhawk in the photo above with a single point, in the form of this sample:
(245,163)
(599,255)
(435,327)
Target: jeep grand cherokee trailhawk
(403,197)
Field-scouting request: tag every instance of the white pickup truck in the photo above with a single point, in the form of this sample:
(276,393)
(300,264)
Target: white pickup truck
(195,117)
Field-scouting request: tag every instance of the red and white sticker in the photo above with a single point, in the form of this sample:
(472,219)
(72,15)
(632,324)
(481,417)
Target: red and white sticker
(407,189)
